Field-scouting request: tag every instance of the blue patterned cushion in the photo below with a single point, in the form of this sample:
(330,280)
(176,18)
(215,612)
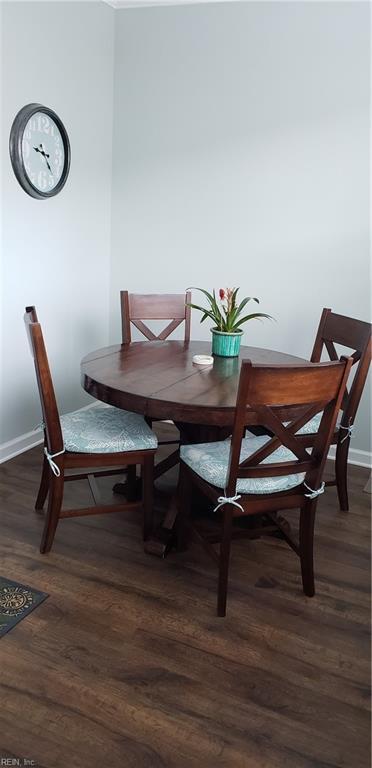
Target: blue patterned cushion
(106,429)
(210,461)
(313,425)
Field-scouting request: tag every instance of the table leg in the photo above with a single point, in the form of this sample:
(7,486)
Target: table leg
(163,538)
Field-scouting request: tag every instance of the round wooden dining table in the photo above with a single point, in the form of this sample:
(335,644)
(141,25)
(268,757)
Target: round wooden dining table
(160,380)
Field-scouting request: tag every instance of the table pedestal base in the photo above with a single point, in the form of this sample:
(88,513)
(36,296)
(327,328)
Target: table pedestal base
(164,537)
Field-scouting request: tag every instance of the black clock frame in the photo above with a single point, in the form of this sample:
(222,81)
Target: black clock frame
(15,149)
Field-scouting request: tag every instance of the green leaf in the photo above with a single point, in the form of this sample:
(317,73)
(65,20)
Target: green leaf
(201,309)
(254,316)
(206,314)
(233,298)
(208,295)
(242,304)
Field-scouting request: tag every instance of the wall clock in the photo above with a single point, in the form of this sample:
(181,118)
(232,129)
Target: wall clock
(39,150)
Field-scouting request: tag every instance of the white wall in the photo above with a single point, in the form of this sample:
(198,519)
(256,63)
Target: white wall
(56,252)
(240,157)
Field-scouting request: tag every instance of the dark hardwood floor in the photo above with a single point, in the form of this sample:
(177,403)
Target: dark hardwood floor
(127,666)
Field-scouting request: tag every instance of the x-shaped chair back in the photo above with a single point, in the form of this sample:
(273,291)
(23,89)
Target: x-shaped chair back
(355,335)
(136,307)
(307,390)
(52,425)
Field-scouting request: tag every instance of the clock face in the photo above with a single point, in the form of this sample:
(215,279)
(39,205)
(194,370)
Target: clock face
(43,152)
(39,151)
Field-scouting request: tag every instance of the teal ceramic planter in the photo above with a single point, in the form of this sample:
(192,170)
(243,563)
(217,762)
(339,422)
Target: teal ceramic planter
(226,344)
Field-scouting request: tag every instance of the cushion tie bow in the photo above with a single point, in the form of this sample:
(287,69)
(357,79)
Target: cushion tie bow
(222,500)
(54,467)
(313,494)
(349,431)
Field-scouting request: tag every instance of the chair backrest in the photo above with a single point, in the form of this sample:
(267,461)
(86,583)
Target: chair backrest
(48,401)
(355,335)
(136,307)
(307,390)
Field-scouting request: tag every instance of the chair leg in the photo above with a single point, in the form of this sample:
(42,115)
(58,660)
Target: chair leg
(54,509)
(44,485)
(148,496)
(131,483)
(224,563)
(184,494)
(130,487)
(342,452)
(307,520)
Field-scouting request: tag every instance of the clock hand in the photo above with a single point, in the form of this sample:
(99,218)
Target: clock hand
(45,155)
(49,168)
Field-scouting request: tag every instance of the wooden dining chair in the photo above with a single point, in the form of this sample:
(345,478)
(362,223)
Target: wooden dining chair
(356,336)
(99,437)
(137,307)
(262,475)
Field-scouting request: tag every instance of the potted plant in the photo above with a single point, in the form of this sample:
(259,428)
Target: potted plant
(227,316)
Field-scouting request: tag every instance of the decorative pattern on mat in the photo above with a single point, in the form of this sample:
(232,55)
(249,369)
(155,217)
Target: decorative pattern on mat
(16,602)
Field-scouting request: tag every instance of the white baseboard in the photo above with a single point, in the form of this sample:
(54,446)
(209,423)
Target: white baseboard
(20,444)
(27,441)
(356,457)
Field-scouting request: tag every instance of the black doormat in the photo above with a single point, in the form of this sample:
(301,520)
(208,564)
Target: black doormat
(16,602)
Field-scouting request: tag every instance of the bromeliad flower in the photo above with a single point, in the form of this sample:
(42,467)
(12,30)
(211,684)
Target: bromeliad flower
(227,314)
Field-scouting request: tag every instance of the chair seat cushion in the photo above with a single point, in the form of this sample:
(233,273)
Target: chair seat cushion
(313,425)
(210,461)
(106,429)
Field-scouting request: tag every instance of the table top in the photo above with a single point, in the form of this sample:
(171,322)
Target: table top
(159,379)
